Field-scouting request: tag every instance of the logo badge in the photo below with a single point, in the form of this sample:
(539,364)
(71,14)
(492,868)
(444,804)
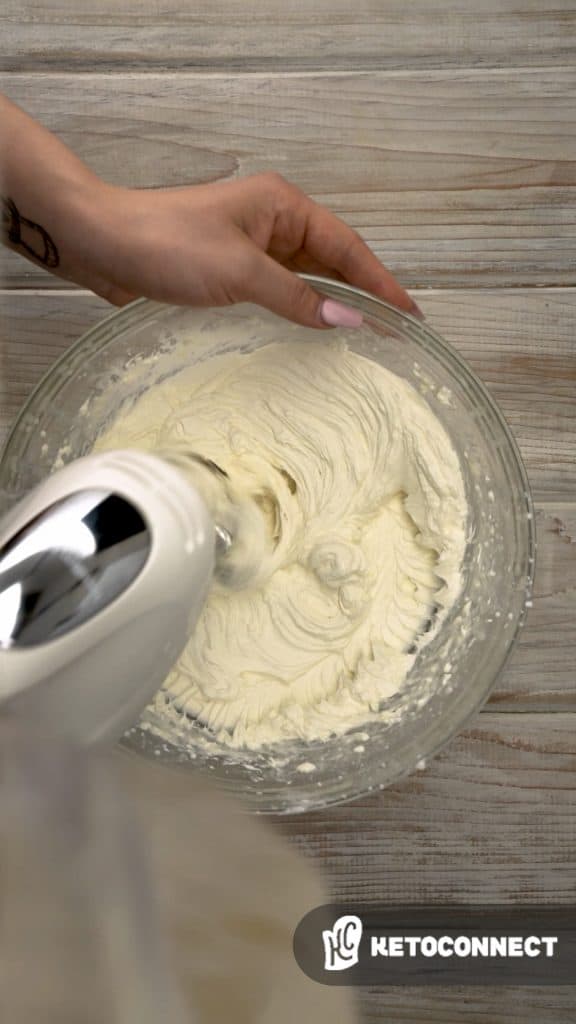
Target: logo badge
(341,943)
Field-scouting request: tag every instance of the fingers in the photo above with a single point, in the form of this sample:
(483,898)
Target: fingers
(327,241)
(273,286)
(115,296)
(334,243)
(302,263)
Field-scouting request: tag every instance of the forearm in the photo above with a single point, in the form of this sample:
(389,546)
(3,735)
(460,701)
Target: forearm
(206,245)
(46,191)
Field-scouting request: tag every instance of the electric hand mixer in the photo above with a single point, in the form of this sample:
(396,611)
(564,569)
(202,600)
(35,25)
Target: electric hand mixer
(104,570)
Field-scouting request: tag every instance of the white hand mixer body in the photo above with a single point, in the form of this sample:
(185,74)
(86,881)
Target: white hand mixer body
(104,570)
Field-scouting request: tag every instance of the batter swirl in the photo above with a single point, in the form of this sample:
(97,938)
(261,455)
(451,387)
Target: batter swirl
(363,492)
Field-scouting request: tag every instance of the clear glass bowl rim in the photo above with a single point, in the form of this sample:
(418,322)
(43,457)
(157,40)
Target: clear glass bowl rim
(120,320)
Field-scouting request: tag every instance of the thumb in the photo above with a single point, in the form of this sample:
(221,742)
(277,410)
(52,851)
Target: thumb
(287,295)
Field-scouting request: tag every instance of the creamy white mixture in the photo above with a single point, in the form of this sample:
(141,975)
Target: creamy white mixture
(366,502)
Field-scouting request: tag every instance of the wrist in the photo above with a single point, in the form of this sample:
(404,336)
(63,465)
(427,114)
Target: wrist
(88,218)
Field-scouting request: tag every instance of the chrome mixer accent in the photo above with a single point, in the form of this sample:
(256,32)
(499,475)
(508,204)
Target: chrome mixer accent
(67,564)
(223,540)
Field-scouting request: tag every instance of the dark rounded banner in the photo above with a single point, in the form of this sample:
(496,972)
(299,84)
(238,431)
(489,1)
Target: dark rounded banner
(395,945)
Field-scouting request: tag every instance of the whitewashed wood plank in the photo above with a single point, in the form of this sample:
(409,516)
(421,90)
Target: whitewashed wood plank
(457,1005)
(455,178)
(492,819)
(329,34)
(35,329)
(541,673)
(521,344)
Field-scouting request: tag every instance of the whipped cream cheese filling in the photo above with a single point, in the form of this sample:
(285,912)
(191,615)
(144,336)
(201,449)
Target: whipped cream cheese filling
(365,506)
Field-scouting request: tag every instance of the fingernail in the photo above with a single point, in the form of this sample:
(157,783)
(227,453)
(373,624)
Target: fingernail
(416,311)
(335,314)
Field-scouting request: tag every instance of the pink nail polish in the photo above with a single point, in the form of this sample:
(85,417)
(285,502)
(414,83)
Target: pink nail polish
(335,314)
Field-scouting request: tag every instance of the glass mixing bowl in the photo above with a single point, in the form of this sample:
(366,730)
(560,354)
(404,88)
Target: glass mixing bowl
(111,365)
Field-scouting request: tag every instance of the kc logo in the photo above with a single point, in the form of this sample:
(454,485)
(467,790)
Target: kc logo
(341,943)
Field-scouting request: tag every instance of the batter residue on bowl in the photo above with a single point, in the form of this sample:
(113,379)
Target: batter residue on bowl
(368,501)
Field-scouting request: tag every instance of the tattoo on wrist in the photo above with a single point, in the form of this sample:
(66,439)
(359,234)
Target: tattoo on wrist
(26,236)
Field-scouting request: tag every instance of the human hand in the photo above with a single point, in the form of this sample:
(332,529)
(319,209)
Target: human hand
(227,242)
(205,245)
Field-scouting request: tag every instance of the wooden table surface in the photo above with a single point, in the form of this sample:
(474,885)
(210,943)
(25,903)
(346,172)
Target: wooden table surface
(446,133)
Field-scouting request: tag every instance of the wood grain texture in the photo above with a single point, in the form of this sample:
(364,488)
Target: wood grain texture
(328,34)
(530,1005)
(520,342)
(455,178)
(491,820)
(443,130)
(542,670)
